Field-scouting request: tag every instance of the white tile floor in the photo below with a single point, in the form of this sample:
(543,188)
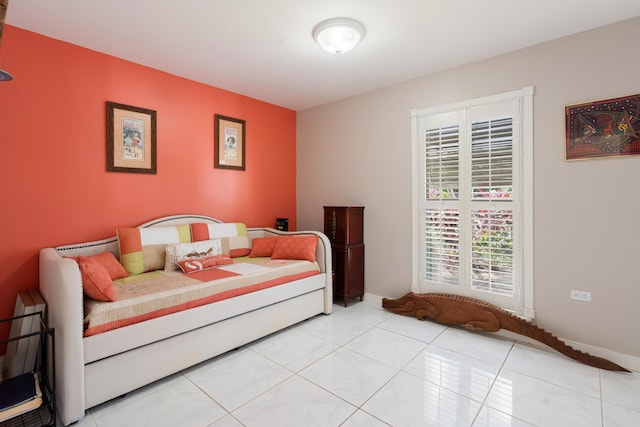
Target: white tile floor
(362,366)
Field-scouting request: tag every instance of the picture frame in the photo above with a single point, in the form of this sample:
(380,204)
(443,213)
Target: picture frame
(229,143)
(607,128)
(131,139)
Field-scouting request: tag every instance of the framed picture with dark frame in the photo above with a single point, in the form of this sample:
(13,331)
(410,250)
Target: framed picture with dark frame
(131,139)
(229,143)
(607,128)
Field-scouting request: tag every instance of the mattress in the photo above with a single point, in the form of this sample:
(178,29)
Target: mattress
(150,295)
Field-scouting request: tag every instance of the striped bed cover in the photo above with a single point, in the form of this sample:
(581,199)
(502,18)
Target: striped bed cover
(158,293)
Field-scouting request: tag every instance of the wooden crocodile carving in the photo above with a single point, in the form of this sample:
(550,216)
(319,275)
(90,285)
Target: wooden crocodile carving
(475,314)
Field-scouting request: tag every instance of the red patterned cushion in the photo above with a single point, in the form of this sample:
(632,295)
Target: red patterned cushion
(96,282)
(190,265)
(262,246)
(296,247)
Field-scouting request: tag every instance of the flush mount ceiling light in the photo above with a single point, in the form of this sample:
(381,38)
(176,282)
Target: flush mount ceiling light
(338,35)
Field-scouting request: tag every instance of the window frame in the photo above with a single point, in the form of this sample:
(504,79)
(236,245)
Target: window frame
(525,304)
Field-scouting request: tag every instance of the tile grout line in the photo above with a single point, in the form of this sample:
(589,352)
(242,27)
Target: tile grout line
(483,404)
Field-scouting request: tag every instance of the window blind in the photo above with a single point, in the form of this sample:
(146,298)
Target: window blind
(492,159)
(442,246)
(442,158)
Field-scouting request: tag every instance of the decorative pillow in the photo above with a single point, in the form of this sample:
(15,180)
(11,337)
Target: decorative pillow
(296,247)
(143,249)
(234,236)
(190,265)
(262,246)
(111,264)
(183,251)
(96,282)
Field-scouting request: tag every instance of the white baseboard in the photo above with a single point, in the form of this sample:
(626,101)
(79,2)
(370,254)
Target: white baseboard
(627,361)
(373,299)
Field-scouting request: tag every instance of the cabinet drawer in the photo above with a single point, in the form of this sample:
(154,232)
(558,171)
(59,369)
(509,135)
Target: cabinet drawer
(343,224)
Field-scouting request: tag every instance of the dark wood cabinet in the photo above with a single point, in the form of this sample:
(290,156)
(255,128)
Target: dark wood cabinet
(344,227)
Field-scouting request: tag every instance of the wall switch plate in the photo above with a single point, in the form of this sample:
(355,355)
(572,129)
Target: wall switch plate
(581,296)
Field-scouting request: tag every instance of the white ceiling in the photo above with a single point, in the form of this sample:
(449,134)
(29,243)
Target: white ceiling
(263,48)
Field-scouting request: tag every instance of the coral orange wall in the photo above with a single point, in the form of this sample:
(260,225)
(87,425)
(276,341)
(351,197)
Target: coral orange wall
(54,186)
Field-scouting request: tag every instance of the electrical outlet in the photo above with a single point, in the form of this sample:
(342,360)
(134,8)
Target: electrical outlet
(581,296)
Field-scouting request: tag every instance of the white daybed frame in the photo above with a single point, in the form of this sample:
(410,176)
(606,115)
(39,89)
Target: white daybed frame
(92,370)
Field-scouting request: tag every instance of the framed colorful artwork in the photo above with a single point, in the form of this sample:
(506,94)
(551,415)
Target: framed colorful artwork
(608,128)
(131,139)
(229,143)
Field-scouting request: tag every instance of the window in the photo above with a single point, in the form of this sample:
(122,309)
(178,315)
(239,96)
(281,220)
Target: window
(473,191)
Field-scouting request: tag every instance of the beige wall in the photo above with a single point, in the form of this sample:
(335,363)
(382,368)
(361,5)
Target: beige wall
(586,214)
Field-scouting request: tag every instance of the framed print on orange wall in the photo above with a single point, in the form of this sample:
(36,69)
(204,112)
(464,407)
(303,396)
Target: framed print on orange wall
(131,139)
(229,143)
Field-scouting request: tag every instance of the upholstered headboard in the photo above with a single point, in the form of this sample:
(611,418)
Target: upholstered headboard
(111,244)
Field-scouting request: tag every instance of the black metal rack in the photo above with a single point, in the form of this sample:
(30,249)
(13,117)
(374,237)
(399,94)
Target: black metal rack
(45,414)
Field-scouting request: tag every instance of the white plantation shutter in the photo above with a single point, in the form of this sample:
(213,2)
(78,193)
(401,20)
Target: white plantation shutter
(492,158)
(441,177)
(442,159)
(442,246)
(492,178)
(470,186)
(492,252)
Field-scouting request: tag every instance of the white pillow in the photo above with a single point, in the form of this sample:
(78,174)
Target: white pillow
(182,251)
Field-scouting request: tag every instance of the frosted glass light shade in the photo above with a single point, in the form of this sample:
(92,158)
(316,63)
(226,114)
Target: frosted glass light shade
(338,35)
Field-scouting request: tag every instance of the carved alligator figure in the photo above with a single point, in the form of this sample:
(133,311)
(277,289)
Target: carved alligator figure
(475,314)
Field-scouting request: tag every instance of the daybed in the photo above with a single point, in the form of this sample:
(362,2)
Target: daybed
(91,369)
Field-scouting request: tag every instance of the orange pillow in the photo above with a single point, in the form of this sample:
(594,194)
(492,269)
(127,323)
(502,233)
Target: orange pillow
(296,247)
(262,246)
(191,265)
(110,263)
(96,282)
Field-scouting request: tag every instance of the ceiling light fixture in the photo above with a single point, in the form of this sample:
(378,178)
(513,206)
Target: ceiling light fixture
(338,35)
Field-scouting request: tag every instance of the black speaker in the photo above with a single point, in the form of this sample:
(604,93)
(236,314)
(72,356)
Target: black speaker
(282,224)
